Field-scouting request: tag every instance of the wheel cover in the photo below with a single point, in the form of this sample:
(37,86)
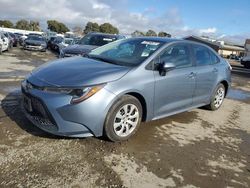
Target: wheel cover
(126,120)
(219,96)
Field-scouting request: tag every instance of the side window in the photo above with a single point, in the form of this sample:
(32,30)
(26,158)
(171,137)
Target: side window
(204,56)
(178,54)
(214,58)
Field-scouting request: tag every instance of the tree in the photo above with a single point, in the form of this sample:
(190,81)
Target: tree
(91,27)
(164,34)
(23,24)
(6,23)
(34,26)
(151,33)
(137,33)
(108,28)
(56,26)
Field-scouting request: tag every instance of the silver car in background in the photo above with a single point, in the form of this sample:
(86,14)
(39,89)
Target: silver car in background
(116,86)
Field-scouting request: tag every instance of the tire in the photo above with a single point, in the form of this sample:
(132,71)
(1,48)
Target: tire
(217,98)
(123,130)
(1,50)
(247,65)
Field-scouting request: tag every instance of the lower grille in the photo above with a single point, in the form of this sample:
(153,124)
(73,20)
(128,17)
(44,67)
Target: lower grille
(39,114)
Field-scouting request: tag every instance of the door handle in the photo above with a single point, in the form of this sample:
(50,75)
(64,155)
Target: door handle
(191,75)
(215,70)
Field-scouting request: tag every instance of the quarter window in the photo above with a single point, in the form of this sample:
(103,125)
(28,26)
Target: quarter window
(204,56)
(178,54)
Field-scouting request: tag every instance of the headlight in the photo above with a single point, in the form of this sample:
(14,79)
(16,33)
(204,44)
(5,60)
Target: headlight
(78,95)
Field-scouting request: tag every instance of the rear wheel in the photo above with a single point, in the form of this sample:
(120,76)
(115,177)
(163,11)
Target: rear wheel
(217,98)
(123,119)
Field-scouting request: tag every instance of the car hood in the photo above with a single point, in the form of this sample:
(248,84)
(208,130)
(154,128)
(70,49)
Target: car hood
(78,49)
(246,58)
(34,42)
(76,72)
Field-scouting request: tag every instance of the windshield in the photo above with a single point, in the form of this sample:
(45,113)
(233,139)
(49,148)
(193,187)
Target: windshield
(127,52)
(36,38)
(97,40)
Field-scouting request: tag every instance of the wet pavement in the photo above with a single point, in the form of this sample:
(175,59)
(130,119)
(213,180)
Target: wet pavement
(198,148)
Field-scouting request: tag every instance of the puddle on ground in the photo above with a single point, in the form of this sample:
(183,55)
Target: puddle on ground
(238,94)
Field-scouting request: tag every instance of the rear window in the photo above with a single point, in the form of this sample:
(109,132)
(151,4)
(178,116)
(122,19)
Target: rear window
(97,40)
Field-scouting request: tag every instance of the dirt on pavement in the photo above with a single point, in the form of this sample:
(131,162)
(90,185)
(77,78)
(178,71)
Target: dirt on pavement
(198,148)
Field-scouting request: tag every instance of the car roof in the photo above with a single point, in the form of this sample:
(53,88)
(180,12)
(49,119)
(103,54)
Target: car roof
(105,34)
(159,39)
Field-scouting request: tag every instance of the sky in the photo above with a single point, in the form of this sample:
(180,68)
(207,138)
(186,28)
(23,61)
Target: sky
(228,20)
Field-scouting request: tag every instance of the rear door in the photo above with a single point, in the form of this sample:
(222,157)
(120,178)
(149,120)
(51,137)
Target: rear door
(206,73)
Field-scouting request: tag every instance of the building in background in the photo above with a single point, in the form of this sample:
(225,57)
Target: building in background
(221,47)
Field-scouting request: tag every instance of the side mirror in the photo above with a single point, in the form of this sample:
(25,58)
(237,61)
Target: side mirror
(165,67)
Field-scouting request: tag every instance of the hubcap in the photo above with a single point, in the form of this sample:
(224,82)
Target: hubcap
(126,120)
(219,97)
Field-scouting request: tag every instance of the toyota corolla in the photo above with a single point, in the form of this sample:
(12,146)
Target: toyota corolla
(115,87)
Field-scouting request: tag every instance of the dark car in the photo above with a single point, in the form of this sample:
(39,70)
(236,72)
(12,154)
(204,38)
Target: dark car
(88,43)
(35,42)
(14,39)
(54,44)
(50,41)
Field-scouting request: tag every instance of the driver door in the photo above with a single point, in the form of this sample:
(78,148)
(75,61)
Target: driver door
(174,91)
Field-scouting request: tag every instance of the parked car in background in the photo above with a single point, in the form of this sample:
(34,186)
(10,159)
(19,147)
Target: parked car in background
(4,43)
(116,86)
(22,39)
(88,43)
(10,39)
(245,61)
(65,42)
(54,44)
(14,39)
(35,42)
(50,41)
(234,57)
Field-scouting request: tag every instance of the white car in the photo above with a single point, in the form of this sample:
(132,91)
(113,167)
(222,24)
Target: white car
(4,43)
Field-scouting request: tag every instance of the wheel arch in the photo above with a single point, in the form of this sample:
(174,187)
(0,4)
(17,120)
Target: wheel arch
(226,85)
(142,100)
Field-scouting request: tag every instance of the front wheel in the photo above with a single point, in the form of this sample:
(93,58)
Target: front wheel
(217,98)
(247,65)
(123,119)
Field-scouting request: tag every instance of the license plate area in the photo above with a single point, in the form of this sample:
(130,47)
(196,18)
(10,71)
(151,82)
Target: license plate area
(27,103)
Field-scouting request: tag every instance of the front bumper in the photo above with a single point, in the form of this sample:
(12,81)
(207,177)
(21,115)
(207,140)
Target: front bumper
(54,114)
(35,48)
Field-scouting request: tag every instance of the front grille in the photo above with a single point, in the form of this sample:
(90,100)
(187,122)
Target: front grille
(32,44)
(38,108)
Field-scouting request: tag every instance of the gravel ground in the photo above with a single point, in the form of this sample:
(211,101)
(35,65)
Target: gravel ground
(198,148)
